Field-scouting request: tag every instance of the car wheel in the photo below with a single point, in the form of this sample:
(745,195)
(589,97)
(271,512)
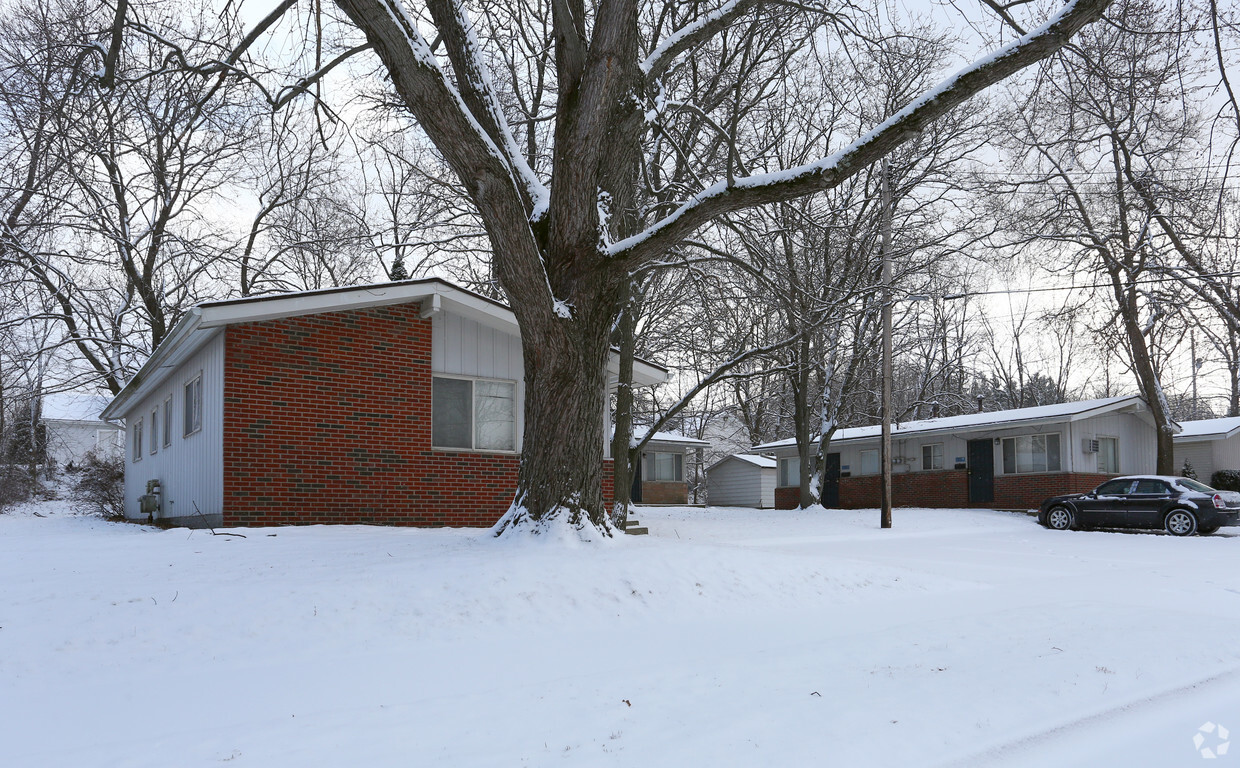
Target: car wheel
(1206,530)
(1181,522)
(1059,518)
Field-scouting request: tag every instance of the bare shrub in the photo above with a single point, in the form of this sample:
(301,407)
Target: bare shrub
(100,487)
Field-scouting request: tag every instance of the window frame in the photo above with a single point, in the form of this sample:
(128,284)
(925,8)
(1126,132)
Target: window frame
(473,414)
(1046,453)
(192,408)
(1115,455)
(795,462)
(154,449)
(166,438)
(137,432)
(942,456)
(678,467)
(878,462)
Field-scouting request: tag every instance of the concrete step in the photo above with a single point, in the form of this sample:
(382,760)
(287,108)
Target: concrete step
(632,530)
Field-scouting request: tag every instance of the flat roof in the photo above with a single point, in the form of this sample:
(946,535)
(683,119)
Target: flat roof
(1040,414)
(1208,429)
(205,320)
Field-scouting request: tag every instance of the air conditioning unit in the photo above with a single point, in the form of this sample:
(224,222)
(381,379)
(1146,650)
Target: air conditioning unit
(1089,446)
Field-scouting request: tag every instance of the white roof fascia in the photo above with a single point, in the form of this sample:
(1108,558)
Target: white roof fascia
(1201,437)
(203,322)
(898,433)
(760,462)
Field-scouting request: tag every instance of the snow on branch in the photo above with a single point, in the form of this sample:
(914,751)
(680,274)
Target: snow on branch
(829,172)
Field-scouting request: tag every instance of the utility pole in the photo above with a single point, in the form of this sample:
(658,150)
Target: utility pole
(886,404)
(1192,340)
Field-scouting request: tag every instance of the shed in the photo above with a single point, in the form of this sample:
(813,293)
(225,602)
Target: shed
(1209,445)
(741,480)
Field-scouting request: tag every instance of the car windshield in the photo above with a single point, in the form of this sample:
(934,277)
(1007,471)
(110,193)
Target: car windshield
(1193,485)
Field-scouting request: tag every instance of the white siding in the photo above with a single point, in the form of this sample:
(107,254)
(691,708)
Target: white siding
(465,347)
(736,483)
(1138,446)
(1226,456)
(1200,455)
(191,469)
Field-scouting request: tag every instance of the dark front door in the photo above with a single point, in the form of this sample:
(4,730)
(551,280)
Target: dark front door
(981,472)
(635,491)
(831,481)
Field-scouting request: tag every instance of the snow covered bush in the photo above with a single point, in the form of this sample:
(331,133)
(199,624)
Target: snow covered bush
(100,487)
(1226,480)
(1188,471)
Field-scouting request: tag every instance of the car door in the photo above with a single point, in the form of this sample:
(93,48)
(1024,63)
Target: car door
(1146,503)
(1106,506)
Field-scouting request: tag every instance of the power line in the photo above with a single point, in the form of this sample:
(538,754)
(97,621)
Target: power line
(1165,279)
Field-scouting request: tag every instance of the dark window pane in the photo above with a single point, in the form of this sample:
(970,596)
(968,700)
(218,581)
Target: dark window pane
(1052,453)
(451,404)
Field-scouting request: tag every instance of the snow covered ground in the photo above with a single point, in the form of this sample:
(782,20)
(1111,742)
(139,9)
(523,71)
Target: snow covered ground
(727,637)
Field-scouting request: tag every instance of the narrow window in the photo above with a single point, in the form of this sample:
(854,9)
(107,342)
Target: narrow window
(168,421)
(451,419)
(155,430)
(495,410)
(869,462)
(193,406)
(932,456)
(1108,455)
(790,472)
(137,440)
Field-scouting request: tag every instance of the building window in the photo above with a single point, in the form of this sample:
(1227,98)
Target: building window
(193,406)
(1031,453)
(168,421)
(665,467)
(1108,455)
(155,430)
(473,414)
(869,463)
(137,441)
(790,472)
(932,456)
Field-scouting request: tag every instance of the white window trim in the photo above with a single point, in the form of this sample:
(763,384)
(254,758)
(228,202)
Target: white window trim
(136,453)
(473,437)
(154,449)
(878,462)
(943,456)
(680,464)
(188,404)
(166,438)
(1099,454)
(781,474)
(1062,462)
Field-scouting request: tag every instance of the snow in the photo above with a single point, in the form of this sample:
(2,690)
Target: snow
(1061,411)
(727,636)
(757,461)
(1203,428)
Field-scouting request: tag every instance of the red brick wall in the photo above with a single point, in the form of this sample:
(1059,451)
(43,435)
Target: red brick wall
(327,420)
(949,488)
(664,493)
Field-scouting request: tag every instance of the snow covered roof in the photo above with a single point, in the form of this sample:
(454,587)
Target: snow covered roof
(204,321)
(1058,412)
(758,461)
(1208,429)
(73,406)
(668,438)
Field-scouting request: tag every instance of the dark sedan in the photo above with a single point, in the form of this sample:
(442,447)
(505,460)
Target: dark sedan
(1178,505)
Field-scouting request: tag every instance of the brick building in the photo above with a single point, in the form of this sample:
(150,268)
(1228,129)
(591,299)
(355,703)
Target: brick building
(396,403)
(1002,459)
